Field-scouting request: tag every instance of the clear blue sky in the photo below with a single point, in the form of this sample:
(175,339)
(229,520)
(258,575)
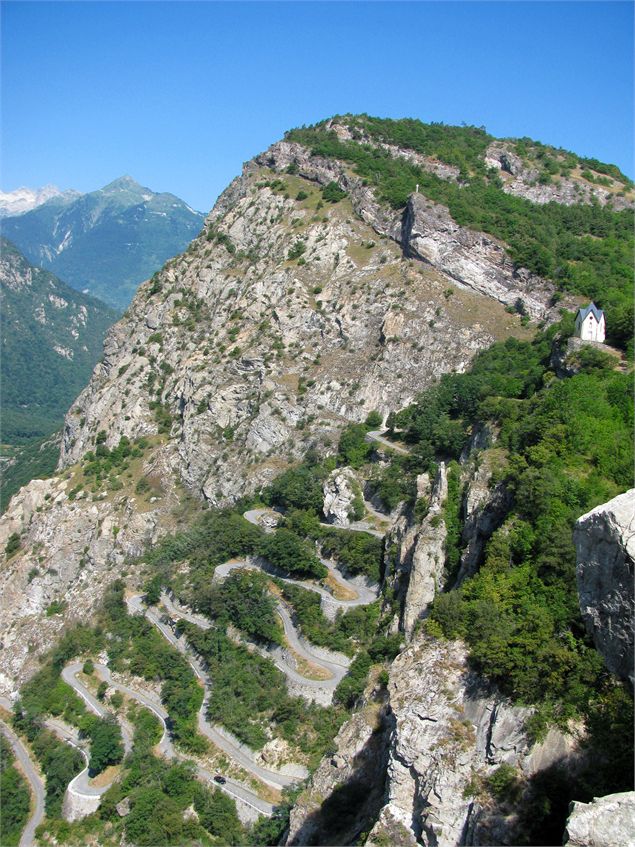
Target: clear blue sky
(180,94)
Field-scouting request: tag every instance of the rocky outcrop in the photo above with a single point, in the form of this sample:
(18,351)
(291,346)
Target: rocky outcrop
(567,359)
(472,259)
(605,550)
(341,490)
(72,544)
(414,558)
(428,556)
(449,733)
(605,822)
(484,508)
(427,232)
(521,180)
(235,359)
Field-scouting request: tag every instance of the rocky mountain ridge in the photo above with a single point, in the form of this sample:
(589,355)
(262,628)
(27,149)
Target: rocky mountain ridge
(248,357)
(284,319)
(521,176)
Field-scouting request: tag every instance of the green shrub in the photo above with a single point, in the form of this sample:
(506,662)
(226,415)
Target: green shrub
(353,449)
(332,193)
(13,544)
(297,250)
(504,784)
(285,550)
(243,599)
(106,746)
(373,420)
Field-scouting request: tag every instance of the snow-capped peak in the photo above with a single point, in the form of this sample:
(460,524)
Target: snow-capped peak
(24,199)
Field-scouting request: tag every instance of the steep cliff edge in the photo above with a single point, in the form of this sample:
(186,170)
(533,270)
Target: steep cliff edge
(605,548)
(442,742)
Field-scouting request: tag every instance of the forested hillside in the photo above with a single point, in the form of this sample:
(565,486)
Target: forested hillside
(52,338)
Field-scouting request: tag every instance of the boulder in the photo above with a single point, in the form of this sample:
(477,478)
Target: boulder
(605,822)
(340,491)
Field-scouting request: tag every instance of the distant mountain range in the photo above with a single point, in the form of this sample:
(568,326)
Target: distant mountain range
(24,199)
(104,243)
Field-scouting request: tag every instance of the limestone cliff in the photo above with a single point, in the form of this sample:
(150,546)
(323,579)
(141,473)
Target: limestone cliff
(605,548)
(440,735)
(415,552)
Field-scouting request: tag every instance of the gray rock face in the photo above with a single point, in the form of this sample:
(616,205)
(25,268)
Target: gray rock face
(253,358)
(428,556)
(448,729)
(484,509)
(243,382)
(606,822)
(426,231)
(234,360)
(71,549)
(346,791)
(605,549)
(340,490)
(471,259)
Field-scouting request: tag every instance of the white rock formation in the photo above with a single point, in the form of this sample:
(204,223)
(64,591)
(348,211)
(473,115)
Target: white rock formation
(428,556)
(340,490)
(605,822)
(447,730)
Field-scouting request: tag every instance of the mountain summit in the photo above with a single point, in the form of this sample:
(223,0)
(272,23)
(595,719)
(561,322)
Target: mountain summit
(108,241)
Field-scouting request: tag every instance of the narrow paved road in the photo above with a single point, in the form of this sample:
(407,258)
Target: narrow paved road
(222,739)
(38,792)
(362,594)
(335,664)
(377,436)
(80,784)
(337,668)
(164,747)
(69,675)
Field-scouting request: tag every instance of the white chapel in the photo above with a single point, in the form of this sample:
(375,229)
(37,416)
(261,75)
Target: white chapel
(590,324)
